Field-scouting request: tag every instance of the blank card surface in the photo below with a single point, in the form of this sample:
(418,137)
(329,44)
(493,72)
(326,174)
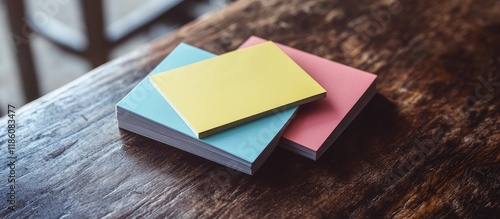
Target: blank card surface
(236,87)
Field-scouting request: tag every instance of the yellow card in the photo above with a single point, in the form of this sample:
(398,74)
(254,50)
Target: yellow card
(236,87)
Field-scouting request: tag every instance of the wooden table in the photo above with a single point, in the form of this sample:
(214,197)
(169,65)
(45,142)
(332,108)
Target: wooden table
(426,146)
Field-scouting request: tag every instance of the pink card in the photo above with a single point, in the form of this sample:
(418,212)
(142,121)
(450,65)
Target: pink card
(319,123)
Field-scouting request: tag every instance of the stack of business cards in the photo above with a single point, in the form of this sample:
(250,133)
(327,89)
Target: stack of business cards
(234,108)
(243,147)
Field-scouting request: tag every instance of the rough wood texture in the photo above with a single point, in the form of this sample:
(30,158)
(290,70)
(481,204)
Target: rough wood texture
(426,146)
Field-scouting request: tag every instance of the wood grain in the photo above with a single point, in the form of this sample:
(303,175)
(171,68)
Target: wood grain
(426,146)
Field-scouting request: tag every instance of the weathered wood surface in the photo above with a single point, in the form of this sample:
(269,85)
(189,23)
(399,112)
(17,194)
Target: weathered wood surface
(426,146)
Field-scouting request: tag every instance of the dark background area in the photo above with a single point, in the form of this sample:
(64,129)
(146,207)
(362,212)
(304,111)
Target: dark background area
(54,65)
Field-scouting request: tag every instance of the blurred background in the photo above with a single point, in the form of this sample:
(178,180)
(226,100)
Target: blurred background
(48,43)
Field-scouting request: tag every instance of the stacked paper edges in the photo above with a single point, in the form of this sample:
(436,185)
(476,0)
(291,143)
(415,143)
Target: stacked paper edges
(233,109)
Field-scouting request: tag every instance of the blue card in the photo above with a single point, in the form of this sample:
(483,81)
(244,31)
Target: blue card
(246,141)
